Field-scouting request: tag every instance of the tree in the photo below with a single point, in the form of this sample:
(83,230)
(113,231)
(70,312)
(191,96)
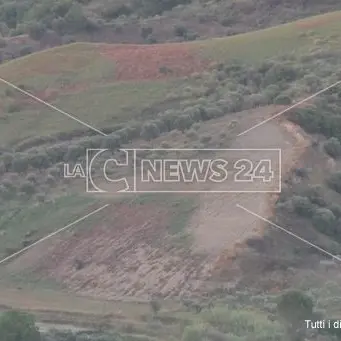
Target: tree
(325,221)
(294,307)
(17,326)
(333,147)
(36,30)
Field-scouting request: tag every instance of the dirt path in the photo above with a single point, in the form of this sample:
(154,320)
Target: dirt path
(218,224)
(129,260)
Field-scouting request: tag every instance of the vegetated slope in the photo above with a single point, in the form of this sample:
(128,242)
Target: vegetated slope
(81,78)
(51,23)
(31,169)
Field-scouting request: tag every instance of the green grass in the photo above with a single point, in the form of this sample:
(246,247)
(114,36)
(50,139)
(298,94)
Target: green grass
(18,219)
(296,37)
(99,106)
(95,97)
(181,208)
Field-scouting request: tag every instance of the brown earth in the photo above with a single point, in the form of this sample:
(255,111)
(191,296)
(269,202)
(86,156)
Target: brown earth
(319,21)
(142,62)
(131,254)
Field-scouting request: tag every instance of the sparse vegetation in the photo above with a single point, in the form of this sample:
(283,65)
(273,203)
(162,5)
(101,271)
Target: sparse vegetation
(174,99)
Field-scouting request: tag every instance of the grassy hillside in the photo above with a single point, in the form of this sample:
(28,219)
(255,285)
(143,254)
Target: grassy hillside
(137,21)
(120,82)
(193,95)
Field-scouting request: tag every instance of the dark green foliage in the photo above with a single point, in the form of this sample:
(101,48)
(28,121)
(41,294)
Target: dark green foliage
(36,30)
(153,7)
(336,209)
(13,107)
(7,159)
(39,160)
(333,332)
(20,163)
(180,31)
(333,147)
(28,188)
(146,31)
(315,195)
(279,73)
(282,100)
(16,326)
(25,50)
(75,19)
(295,307)
(325,221)
(334,182)
(183,122)
(302,206)
(150,131)
(116,10)
(74,152)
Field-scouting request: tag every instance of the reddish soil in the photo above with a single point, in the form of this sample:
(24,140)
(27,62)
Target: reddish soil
(319,21)
(142,62)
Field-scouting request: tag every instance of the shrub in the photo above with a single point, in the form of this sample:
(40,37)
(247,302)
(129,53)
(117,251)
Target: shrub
(271,92)
(50,179)
(57,153)
(146,31)
(302,205)
(20,163)
(256,100)
(74,152)
(36,30)
(212,112)
(315,194)
(28,188)
(150,131)
(313,82)
(24,51)
(336,209)
(180,31)
(54,171)
(151,39)
(283,100)
(301,172)
(183,122)
(194,333)
(32,177)
(334,182)
(40,197)
(205,139)
(333,147)
(116,10)
(7,159)
(192,134)
(18,326)
(111,142)
(324,220)
(3,42)
(13,107)
(294,307)
(39,160)
(7,189)
(279,73)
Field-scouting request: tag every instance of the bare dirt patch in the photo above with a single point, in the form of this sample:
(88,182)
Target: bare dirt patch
(129,254)
(219,226)
(143,62)
(319,21)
